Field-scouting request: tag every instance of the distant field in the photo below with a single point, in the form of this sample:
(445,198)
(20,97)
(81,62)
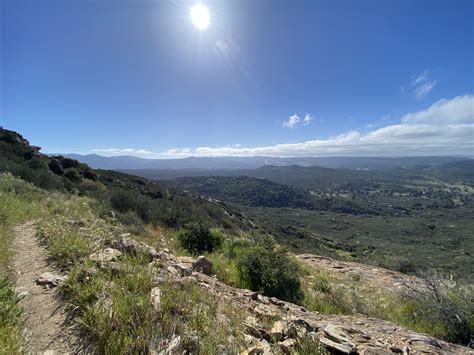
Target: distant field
(401,219)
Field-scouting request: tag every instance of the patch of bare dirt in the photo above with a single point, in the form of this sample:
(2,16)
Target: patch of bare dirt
(48,329)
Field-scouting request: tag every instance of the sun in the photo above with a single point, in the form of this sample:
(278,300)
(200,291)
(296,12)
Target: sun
(200,16)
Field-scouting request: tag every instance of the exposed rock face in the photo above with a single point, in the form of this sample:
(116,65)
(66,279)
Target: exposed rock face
(377,276)
(203,264)
(338,334)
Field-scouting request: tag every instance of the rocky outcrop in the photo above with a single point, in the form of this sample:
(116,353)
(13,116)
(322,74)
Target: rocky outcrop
(128,245)
(355,334)
(376,276)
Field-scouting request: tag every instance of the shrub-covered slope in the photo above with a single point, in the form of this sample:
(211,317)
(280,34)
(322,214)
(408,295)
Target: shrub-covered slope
(135,200)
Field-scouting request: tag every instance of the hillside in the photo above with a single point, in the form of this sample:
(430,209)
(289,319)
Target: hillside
(135,200)
(377,217)
(112,276)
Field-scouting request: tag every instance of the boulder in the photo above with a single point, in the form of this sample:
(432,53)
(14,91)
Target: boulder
(49,280)
(203,264)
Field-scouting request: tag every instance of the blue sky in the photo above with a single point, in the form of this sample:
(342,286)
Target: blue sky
(333,77)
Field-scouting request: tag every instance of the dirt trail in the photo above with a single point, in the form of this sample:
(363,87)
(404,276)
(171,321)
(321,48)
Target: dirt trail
(45,318)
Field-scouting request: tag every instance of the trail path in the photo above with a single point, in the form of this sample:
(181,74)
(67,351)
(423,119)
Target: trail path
(44,316)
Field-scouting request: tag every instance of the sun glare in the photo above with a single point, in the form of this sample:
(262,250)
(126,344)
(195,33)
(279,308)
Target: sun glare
(200,16)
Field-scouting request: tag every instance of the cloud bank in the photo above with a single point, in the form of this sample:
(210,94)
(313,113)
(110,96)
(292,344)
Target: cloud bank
(446,127)
(124,151)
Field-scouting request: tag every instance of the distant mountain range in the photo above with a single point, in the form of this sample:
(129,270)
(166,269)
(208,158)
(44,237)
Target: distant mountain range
(233,163)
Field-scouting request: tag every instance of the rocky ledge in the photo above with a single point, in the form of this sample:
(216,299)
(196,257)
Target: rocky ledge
(338,334)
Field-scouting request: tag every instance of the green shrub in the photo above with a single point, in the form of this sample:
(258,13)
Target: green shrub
(198,238)
(268,268)
(73,175)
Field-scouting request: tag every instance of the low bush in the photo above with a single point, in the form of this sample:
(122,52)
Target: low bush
(198,238)
(268,268)
(448,303)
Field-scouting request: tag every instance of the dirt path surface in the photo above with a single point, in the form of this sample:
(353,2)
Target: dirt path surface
(45,318)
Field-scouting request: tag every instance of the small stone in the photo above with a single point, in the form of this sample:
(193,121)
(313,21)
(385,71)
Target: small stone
(253,331)
(173,271)
(257,349)
(332,345)
(105,255)
(254,296)
(248,339)
(49,280)
(291,332)
(172,346)
(287,345)
(277,330)
(183,269)
(155,298)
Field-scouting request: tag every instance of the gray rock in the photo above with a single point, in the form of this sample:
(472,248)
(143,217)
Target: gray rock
(203,264)
(155,298)
(183,269)
(287,345)
(105,255)
(49,280)
(277,330)
(131,246)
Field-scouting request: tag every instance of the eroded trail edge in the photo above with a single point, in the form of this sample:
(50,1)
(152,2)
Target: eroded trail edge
(45,317)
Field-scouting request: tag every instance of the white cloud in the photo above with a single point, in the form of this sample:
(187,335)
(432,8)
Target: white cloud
(458,109)
(120,151)
(422,85)
(395,140)
(295,120)
(292,121)
(444,128)
(307,119)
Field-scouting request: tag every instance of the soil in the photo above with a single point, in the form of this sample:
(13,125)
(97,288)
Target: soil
(46,321)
